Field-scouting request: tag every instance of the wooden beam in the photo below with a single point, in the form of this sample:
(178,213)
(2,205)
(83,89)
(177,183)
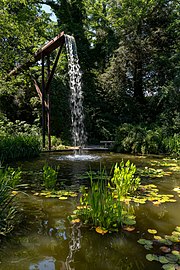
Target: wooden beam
(38,90)
(51,74)
(53,44)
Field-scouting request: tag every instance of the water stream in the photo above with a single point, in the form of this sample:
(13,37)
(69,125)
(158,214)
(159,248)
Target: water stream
(76,98)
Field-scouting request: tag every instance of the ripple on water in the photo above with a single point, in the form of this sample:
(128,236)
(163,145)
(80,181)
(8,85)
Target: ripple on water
(77,157)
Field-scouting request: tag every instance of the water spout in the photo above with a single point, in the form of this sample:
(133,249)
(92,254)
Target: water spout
(76,98)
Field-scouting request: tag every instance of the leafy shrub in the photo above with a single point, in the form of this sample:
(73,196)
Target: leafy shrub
(137,139)
(152,142)
(18,140)
(17,128)
(172,144)
(18,147)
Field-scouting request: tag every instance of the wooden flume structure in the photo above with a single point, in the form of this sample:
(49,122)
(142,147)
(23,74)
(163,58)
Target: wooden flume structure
(44,90)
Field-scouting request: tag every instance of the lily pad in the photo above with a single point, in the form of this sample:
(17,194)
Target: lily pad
(128,228)
(148,247)
(157,237)
(77,220)
(176,253)
(172,238)
(101,231)
(152,231)
(151,257)
(177,229)
(171,258)
(63,198)
(163,259)
(143,241)
(128,221)
(169,266)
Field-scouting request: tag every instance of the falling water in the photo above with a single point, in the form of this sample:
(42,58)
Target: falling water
(76,98)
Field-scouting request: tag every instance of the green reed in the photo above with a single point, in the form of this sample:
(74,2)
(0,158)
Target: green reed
(124,179)
(18,146)
(49,177)
(9,179)
(103,206)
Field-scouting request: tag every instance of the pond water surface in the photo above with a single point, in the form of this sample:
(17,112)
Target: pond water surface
(47,241)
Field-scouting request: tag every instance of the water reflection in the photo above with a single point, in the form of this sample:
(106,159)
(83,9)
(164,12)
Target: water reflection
(74,244)
(47,263)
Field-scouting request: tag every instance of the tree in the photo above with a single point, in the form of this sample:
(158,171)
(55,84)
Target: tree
(23,29)
(145,59)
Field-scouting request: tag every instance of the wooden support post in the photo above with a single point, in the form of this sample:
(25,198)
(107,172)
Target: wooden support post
(38,90)
(43,103)
(53,44)
(53,68)
(49,106)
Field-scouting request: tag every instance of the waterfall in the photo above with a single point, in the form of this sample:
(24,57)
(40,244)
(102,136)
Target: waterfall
(76,97)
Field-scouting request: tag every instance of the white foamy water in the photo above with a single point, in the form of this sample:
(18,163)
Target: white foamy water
(76,98)
(77,157)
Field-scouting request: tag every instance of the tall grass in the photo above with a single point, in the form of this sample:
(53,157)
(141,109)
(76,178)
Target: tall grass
(9,179)
(18,147)
(18,140)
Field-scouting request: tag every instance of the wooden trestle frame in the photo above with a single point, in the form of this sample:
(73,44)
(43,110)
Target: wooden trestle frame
(44,92)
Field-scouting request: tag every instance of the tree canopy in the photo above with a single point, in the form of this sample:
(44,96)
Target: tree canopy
(129,56)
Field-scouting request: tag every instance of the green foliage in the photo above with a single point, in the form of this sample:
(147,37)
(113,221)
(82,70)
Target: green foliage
(124,178)
(137,139)
(18,147)
(102,205)
(49,177)
(17,127)
(168,246)
(98,206)
(9,179)
(129,56)
(24,29)
(18,140)
(10,176)
(172,144)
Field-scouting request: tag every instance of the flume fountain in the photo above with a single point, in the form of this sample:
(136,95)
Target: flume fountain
(79,136)
(76,98)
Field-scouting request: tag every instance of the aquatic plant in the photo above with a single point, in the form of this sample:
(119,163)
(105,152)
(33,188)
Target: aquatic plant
(124,178)
(167,249)
(101,206)
(49,177)
(9,179)
(60,194)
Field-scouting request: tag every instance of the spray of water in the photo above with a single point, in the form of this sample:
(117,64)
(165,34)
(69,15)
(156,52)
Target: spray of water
(76,97)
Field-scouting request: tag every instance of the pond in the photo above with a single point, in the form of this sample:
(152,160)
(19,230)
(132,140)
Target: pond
(47,241)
